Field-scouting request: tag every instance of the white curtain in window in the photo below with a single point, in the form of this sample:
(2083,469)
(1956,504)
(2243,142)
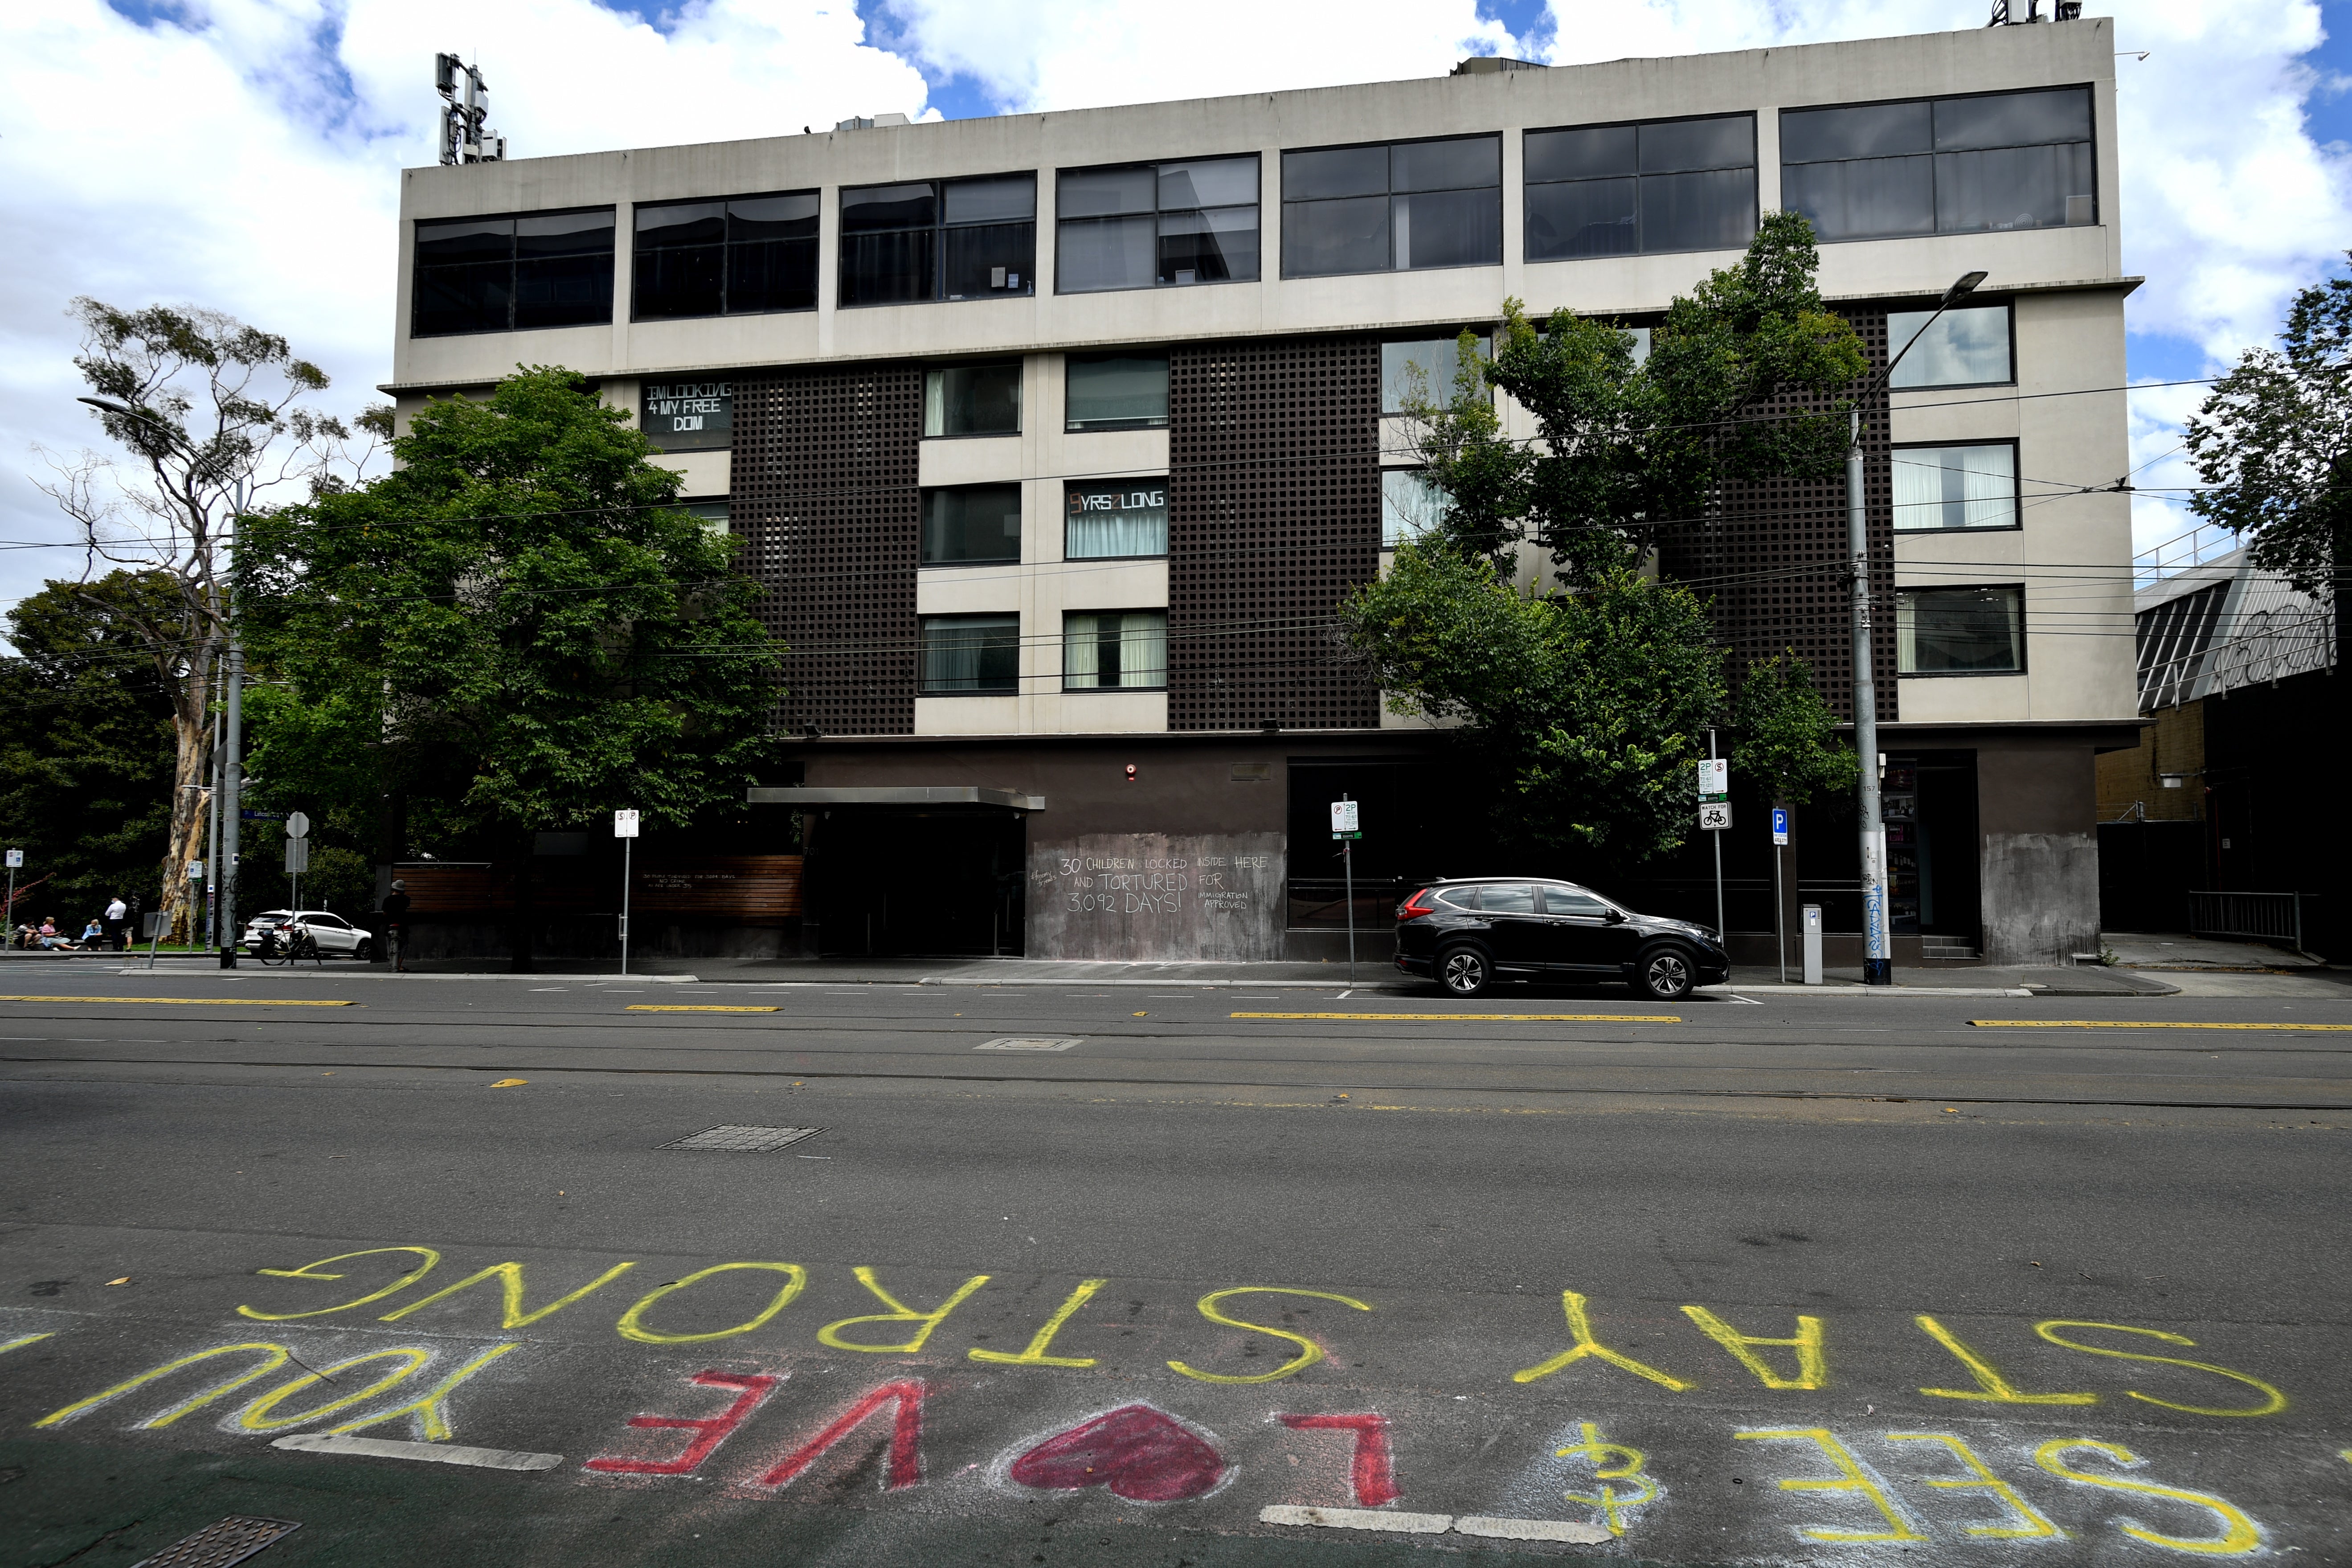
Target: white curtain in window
(1105,650)
(1955,487)
(1110,520)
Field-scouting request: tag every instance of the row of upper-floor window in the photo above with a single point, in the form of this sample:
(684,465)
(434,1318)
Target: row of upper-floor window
(1983,163)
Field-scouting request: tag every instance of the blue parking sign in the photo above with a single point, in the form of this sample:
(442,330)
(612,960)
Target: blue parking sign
(1780,824)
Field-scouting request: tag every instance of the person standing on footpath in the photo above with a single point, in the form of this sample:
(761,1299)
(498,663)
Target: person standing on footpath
(395,909)
(117,912)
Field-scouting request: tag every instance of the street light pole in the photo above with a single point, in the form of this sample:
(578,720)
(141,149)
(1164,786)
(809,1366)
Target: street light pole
(223,869)
(1877,942)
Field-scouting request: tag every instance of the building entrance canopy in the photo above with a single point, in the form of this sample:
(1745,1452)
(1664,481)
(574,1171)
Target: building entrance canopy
(893,794)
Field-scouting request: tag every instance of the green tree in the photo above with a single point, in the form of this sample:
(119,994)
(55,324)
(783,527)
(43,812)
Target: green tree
(1741,382)
(517,625)
(1788,743)
(87,743)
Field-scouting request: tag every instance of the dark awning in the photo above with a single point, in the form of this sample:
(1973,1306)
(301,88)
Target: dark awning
(893,794)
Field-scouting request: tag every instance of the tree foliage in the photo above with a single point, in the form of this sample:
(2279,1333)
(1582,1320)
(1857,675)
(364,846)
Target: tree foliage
(86,744)
(1788,745)
(1630,444)
(518,623)
(2275,438)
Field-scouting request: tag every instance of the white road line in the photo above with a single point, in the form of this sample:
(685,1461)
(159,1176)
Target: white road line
(431,1453)
(1355,1519)
(1532,1530)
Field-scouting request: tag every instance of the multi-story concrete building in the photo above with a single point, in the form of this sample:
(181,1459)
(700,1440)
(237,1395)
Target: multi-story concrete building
(1055,438)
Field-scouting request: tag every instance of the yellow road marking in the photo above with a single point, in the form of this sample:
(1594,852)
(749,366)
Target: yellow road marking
(1483,1017)
(692,1008)
(187,1001)
(2138,1024)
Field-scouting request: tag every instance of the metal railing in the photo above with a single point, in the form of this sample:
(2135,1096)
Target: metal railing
(2206,541)
(2290,640)
(2267,917)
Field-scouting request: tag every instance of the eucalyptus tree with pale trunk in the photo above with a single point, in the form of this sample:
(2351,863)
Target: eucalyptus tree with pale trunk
(209,414)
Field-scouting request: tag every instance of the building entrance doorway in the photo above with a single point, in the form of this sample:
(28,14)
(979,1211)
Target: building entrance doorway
(884,882)
(1928,800)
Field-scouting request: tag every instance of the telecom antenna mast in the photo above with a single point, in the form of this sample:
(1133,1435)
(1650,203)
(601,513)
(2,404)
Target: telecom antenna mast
(466,107)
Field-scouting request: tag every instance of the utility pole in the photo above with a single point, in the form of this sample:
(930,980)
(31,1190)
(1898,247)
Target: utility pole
(1877,944)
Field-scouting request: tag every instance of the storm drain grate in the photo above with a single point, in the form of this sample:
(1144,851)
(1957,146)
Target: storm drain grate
(1027,1043)
(233,1540)
(744,1140)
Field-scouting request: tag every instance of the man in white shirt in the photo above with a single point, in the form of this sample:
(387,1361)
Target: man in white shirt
(117,913)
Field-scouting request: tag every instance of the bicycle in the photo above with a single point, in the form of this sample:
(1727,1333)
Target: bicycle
(301,946)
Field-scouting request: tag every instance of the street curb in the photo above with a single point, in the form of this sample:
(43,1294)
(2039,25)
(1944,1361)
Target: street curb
(243,974)
(1881,990)
(1343,984)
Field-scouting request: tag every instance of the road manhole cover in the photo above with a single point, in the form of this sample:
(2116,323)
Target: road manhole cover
(744,1140)
(1027,1043)
(233,1540)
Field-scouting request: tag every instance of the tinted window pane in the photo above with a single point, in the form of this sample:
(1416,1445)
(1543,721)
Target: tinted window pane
(1871,131)
(1104,252)
(1938,487)
(887,206)
(967,655)
(780,274)
(564,290)
(679,281)
(1468,162)
(1115,650)
(1410,506)
(997,258)
(1208,247)
(463,299)
(1568,901)
(1116,393)
(1335,171)
(1579,154)
(2013,187)
(1100,193)
(1711,211)
(1319,238)
(772,217)
(1507,899)
(1966,347)
(565,233)
(1208,183)
(1104,523)
(687,223)
(1728,143)
(973,400)
(2013,120)
(886,268)
(978,523)
(1590,217)
(465,240)
(991,201)
(1450,228)
(1424,369)
(1868,197)
(1959,631)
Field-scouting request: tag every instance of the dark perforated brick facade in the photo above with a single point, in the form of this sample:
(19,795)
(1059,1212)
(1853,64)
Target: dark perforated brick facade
(1274,513)
(1773,557)
(828,516)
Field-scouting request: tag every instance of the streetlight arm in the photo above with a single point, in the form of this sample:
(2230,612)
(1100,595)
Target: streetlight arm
(1961,287)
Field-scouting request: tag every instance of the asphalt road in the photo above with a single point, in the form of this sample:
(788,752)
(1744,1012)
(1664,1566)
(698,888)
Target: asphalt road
(1237,1278)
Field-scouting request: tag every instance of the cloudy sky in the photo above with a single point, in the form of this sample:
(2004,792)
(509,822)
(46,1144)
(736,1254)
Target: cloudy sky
(242,153)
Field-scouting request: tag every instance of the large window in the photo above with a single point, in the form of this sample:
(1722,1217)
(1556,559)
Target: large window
(972,399)
(1968,347)
(1423,370)
(1614,190)
(1410,506)
(739,256)
(1397,206)
(1116,392)
(1946,165)
(1103,521)
(1115,650)
(1959,631)
(1151,225)
(971,525)
(1941,488)
(938,240)
(509,274)
(972,656)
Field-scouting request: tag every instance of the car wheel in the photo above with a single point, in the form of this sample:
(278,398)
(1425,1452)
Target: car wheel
(365,951)
(1665,973)
(1464,972)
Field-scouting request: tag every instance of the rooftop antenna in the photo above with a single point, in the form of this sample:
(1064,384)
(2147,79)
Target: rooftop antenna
(465,109)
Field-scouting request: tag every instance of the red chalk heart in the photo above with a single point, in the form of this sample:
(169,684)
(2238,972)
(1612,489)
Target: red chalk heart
(1136,1452)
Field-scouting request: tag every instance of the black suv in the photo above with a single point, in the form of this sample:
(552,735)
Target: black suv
(1468,934)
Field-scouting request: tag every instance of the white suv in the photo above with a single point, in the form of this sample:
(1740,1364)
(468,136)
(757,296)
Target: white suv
(335,935)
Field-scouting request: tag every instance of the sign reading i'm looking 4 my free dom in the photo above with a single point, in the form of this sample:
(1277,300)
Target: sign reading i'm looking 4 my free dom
(686,415)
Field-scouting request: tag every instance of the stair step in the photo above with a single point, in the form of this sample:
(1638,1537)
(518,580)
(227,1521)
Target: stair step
(1952,950)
